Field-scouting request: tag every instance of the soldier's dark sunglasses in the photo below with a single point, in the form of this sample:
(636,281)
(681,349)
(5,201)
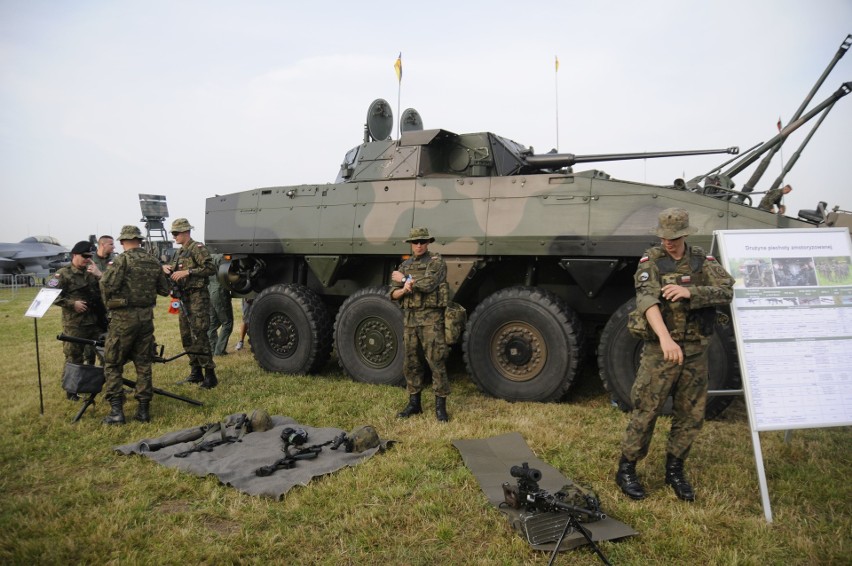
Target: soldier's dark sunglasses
(419,242)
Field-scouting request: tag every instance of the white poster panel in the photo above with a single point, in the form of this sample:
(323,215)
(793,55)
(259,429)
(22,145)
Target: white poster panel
(42,302)
(792,313)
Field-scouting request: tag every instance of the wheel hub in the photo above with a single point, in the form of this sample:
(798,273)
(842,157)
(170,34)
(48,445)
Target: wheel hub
(375,342)
(518,351)
(281,335)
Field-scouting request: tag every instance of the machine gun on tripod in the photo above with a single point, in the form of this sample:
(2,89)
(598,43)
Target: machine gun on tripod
(527,495)
(90,379)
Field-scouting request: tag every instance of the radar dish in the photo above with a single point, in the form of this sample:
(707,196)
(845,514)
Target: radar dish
(379,120)
(411,121)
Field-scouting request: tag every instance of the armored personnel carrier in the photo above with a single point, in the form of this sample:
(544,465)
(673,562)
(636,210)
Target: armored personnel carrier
(541,256)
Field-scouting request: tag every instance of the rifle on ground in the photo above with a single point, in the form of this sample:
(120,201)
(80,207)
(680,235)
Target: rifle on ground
(529,496)
(296,437)
(96,382)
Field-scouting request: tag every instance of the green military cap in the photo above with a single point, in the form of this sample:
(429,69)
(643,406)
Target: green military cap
(419,234)
(130,232)
(673,223)
(181,225)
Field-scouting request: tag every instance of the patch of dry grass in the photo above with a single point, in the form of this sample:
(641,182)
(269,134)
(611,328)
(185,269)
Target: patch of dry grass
(66,497)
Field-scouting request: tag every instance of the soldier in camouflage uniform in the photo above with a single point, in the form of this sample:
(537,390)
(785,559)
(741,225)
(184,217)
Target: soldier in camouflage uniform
(420,285)
(772,198)
(130,288)
(190,270)
(677,289)
(83,313)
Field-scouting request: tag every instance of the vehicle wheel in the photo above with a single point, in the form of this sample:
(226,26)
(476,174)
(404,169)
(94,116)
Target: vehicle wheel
(619,352)
(521,344)
(290,329)
(368,337)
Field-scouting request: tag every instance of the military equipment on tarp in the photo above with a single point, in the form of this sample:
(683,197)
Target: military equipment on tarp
(549,517)
(90,379)
(361,438)
(228,431)
(293,438)
(539,253)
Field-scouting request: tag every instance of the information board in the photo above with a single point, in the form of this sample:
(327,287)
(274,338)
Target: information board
(792,312)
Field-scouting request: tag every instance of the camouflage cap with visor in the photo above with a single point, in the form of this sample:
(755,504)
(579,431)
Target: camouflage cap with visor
(673,223)
(420,234)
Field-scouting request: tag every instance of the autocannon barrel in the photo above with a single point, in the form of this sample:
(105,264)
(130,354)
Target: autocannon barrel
(557,160)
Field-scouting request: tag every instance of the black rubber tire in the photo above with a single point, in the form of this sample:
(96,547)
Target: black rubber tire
(290,330)
(619,353)
(522,344)
(368,337)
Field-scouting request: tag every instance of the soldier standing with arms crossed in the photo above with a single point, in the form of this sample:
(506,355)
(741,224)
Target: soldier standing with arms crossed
(190,270)
(677,290)
(420,285)
(130,288)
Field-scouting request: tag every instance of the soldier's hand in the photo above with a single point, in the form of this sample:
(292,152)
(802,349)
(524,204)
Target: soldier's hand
(178,275)
(80,306)
(409,285)
(397,277)
(167,269)
(671,351)
(675,293)
(93,269)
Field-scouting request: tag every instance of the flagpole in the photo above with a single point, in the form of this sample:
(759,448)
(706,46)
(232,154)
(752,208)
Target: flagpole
(781,151)
(397,66)
(556,88)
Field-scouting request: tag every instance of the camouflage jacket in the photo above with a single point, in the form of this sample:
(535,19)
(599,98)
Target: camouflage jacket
(134,280)
(195,257)
(771,198)
(430,290)
(708,282)
(78,285)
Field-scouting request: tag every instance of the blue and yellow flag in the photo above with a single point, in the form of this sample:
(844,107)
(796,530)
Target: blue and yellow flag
(397,66)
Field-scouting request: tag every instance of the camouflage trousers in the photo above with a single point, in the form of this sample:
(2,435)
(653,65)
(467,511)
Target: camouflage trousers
(80,353)
(425,343)
(130,339)
(194,327)
(655,381)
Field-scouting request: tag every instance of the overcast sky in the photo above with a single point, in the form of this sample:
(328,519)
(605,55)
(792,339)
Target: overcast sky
(103,100)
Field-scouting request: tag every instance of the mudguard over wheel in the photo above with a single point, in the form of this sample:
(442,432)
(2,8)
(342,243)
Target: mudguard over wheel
(619,352)
(290,329)
(368,337)
(522,344)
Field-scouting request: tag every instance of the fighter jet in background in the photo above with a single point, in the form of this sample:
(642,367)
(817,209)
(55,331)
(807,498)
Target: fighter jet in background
(31,258)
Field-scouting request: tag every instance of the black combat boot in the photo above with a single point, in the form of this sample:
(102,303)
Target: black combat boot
(676,479)
(142,415)
(627,479)
(116,416)
(210,380)
(195,376)
(441,409)
(413,407)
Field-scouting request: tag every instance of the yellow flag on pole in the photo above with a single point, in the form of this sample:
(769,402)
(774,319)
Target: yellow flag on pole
(557,62)
(397,66)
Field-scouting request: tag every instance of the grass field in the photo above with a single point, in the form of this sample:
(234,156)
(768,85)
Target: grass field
(67,498)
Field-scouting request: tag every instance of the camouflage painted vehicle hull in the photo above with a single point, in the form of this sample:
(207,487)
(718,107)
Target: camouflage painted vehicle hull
(542,261)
